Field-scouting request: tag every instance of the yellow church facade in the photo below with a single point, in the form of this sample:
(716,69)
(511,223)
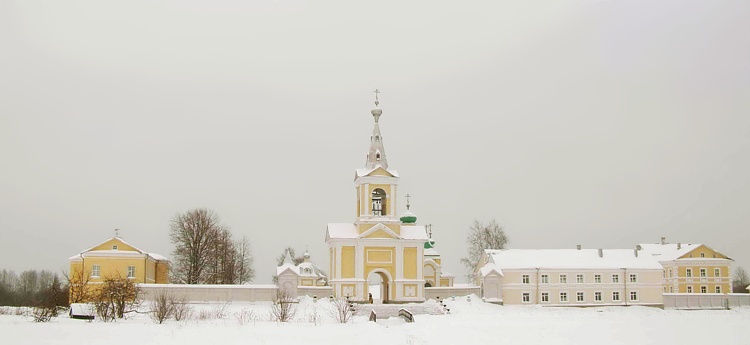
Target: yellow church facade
(380,255)
(115,258)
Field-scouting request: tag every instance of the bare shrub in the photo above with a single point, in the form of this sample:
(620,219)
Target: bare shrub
(245,316)
(204,314)
(181,310)
(284,308)
(116,297)
(161,307)
(341,310)
(43,314)
(5,311)
(220,311)
(313,316)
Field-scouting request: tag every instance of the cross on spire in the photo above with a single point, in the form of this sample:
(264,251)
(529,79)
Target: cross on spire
(117,232)
(407,201)
(376,97)
(429,230)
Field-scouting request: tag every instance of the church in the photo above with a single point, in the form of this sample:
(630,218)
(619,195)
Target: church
(380,255)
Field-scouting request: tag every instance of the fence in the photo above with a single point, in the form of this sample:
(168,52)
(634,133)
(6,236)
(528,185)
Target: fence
(705,301)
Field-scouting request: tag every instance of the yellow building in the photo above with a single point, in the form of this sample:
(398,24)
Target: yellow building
(380,255)
(690,267)
(117,258)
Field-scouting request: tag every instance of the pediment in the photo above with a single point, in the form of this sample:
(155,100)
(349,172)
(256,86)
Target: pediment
(379,231)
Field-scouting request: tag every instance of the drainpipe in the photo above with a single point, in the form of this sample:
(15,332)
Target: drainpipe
(625,282)
(538,301)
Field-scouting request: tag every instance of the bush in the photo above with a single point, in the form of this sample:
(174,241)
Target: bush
(285,307)
(162,307)
(43,314)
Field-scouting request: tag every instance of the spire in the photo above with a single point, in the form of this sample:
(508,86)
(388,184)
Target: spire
(376,156)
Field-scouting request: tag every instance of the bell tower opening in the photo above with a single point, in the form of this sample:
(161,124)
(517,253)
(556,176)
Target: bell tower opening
(378,202)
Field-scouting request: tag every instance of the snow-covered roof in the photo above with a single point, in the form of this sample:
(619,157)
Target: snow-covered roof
(431,252)
(413,232)
(286,266)
(571,259)
(489,268)
(342,230)
(668,251)
(446,274)
(364,171)
(116,252)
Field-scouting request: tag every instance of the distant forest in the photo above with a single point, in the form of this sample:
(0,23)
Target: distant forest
(31,288)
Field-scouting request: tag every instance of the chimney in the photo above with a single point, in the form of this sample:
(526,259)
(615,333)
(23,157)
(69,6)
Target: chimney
(679,245)
(636,252)
(578,246)
(663,240)
(601,252)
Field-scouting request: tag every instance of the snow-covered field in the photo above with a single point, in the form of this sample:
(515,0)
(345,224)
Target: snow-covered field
(468,323)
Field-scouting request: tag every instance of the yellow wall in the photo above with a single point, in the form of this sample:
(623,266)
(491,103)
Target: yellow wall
(114,242)
(396,228)
(347,262)
(708,253)
(410,263)
(380,257)
(445,282)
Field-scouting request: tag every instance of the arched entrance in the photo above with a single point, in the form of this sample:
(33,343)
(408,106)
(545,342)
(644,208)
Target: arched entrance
(378,284)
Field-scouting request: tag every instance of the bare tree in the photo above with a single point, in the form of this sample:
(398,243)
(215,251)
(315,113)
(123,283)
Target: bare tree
(193,233)
(162,307)
(285,306)
(481,237)
(740,280)
(205,252)
(342,309)
(115,297)
(78,285)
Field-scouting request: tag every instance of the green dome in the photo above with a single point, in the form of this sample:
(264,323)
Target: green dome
(408,217)
(429,244)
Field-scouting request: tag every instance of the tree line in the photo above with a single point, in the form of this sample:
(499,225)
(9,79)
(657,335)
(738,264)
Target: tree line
(32,288)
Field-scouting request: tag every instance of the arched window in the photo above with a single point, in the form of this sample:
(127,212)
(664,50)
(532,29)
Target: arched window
(377,156)
(378,202)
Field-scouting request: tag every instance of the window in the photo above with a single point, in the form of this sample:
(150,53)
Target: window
(563,279)
(545,279)
(525,279)
(95,270)
(689,289)
(597,278)
(704,289)
(670,273)
(579,296)
(633,278)
(703,273)
(378,202)
(717,272)
(718,289)
(579,278)
(131,271)
(688,272)
(703,255)
(525,297)
(615,296)
(633,295)
(563,297)
(114,247)
(615,278)
(545,296)
(664,273)
(671,289)
(598,296)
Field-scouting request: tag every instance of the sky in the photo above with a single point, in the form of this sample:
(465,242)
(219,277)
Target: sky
(599,123)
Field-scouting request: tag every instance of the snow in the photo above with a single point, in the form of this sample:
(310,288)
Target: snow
(667,251)
(572,259)
(472,322)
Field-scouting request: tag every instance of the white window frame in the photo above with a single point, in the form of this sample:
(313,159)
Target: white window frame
(703,272)
(633,296)
(633,278)
(563,279)
(545,297)
(114,247)
(525,279)
(615,277)
(598,278)
(131,272)
(580,297)
(717,289)
(717,272)
(579,279)
(671,289)
(525,297)
(703,255)
(689,289)
(704,289)
(563,297)
(688,272)
(545,279)
(597,296)
(616,294)
(96,271)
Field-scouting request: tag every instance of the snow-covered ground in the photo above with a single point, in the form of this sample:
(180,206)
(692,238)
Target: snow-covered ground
(468,323)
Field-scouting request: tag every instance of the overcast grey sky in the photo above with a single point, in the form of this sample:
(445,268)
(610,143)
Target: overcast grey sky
(601,123)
